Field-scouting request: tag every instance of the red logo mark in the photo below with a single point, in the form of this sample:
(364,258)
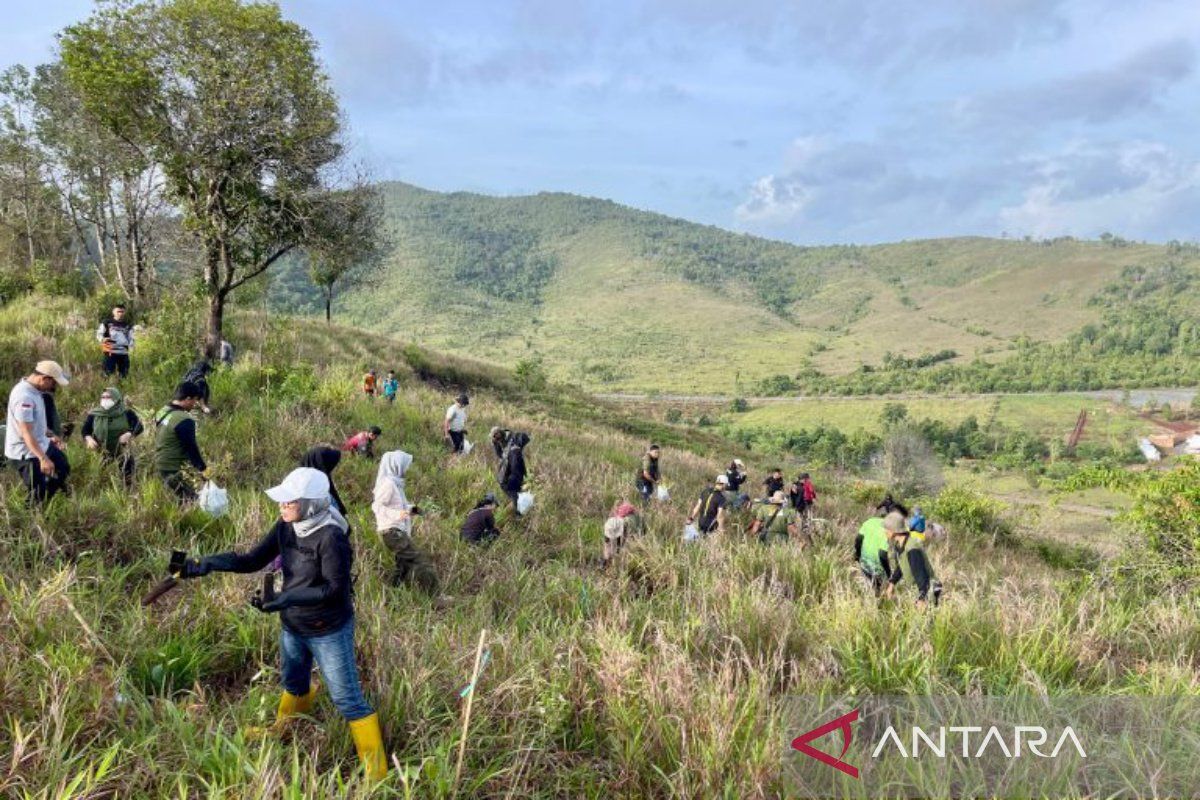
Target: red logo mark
(842,723)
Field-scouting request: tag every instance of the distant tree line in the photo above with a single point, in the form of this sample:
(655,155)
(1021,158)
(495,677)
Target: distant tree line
(1148,336)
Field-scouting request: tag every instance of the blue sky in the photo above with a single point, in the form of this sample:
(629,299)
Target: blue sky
(856,121)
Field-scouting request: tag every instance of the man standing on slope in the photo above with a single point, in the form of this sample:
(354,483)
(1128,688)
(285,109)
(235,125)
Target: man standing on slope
(175,442)
(648,474)
(28,444)
(454,426)
(709,511)
(115,336)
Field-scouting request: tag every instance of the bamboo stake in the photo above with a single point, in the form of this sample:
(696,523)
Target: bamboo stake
(462,742)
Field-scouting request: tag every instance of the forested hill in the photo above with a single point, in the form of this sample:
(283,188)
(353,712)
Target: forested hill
(620,299)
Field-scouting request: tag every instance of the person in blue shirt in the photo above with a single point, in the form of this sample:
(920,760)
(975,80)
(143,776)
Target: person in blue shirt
(390,386)
(917,521)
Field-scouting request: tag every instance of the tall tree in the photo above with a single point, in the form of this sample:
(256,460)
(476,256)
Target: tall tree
(110,191)
(349,247)
(28,211)
(228,98)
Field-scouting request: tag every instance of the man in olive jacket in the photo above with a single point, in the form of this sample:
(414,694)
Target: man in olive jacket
(175,442)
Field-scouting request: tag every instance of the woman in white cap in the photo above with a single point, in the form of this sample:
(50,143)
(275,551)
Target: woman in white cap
(314,606)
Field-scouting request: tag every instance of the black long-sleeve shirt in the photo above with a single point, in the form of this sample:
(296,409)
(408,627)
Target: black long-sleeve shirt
(315,597)
(919,566)
(514,476)
(186,433)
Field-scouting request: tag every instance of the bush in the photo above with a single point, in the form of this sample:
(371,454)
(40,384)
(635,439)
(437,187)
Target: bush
(1165,524)
(967,511)
(739,405)
(531,372)
(674,415)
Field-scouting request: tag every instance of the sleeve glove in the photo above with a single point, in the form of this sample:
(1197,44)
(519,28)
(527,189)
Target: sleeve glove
(195,568)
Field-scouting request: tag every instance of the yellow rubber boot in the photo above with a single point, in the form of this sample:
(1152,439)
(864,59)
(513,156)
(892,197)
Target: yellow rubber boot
(368,741)
(289,706)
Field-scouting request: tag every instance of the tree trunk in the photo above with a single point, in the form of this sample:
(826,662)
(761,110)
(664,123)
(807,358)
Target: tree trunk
(328,304)
(216,321)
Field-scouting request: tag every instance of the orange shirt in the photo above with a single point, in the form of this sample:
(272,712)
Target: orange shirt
(369,382)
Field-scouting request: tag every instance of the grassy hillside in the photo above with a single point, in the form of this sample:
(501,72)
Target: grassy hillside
(665,676)
(616,298)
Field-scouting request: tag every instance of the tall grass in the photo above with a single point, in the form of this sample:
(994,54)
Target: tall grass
(663,676)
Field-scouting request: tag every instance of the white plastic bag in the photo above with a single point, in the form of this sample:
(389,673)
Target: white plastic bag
(524,502)
(690,532)
(467,446)
(214,500)
(662,494)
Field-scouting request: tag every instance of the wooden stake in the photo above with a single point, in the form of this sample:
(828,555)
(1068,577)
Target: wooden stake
(462,742)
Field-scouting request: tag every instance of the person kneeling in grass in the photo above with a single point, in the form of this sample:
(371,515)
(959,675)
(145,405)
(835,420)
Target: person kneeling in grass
(621,524)
(912,563)
(314,606)
(394,521)
(110,428)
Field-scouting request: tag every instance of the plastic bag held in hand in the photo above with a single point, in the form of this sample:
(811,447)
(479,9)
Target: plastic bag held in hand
(524,502)
(663,494)
(214,500)
(690,532)
(467,446)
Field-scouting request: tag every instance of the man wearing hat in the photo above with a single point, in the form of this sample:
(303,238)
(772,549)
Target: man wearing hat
(709,511)
(454,427)
(775,519)
(28,444)
(912,563)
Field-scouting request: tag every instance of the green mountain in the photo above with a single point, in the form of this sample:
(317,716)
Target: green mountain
(619,299)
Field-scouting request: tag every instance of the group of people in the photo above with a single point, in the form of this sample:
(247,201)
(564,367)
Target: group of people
(890,549)
(34,435)
(310,542)
(372,387)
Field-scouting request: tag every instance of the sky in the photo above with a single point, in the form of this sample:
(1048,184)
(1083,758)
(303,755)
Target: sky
(842,121)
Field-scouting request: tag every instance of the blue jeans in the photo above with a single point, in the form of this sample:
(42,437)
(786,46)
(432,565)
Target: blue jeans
(334,653)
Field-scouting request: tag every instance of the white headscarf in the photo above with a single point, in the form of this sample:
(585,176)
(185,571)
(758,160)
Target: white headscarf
(392,467)
(389,496)
(316,513)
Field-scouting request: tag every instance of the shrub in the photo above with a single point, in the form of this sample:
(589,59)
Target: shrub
(971,512)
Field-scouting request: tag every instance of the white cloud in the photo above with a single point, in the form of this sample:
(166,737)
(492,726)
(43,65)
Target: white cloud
(1138,189)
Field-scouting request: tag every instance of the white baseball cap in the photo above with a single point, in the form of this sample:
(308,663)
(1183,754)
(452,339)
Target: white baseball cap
(723,478)
(302,483)
(51,369)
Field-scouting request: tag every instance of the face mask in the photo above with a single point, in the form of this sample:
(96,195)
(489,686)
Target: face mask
(107,403)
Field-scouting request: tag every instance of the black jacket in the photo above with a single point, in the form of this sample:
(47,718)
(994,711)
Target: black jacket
(480,525)
(513,470)
(315,598)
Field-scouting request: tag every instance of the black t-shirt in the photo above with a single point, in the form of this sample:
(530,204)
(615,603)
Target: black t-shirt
(773,485)
(736,479)
(711,502)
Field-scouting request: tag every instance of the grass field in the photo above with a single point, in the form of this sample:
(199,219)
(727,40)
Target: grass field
(665,676)
(1050,416)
